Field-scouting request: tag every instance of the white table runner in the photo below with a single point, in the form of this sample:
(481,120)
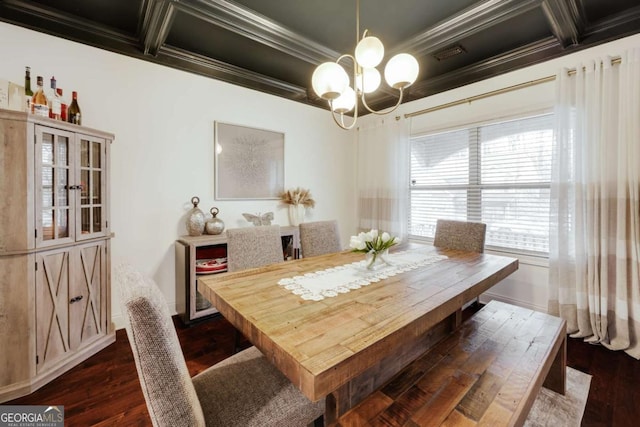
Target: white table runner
(342,279)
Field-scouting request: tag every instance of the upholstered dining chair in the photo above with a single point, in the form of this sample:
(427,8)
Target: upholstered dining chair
(460,235)
(250,247)
(243,390)
(319,238)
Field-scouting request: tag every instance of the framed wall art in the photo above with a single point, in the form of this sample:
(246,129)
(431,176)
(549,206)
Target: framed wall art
(249,162)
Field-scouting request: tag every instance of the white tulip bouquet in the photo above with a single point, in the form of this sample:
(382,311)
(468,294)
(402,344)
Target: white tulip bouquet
(373,244)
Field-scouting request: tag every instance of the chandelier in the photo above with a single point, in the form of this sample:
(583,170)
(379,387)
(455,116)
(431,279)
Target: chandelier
(331,82)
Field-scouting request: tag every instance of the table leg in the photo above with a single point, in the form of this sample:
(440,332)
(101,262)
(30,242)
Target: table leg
(336,404)
(557,377)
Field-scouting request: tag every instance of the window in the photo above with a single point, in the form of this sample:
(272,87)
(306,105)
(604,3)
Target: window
(498,174)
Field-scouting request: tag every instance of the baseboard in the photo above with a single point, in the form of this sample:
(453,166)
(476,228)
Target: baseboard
(118,321)
(488,296)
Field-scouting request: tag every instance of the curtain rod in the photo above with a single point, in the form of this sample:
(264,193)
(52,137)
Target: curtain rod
(614,61)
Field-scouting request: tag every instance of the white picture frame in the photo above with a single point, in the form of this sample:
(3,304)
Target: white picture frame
(248,162)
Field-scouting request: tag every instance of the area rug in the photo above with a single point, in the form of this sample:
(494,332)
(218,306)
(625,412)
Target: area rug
(555,410)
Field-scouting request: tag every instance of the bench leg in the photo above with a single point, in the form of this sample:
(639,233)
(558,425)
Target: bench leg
(456,319)
(557,376)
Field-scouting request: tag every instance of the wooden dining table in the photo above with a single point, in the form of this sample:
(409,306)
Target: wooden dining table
(342,348)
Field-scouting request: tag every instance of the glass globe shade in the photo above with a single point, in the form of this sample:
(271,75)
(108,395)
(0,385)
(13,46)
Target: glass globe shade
(329,80)
(345,102)
(401,71)
(369,80)
(369,52)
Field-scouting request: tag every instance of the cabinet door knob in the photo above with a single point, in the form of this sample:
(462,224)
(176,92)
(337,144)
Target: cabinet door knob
(75,299)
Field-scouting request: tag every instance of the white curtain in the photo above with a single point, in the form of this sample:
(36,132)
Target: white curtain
(383,176)
(595,203)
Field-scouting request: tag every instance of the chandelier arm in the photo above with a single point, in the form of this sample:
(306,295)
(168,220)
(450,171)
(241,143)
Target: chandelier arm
(355,111)
(383,112)
(341,121)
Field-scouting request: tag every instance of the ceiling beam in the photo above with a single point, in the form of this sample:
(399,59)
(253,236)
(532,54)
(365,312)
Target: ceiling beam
(63,24)
(247,23)
(629,19)
(566,19)
(219,70)
(474,19)
(156,22)
(527,55)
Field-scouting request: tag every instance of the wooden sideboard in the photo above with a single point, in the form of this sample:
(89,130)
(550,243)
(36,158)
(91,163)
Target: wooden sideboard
(190,303)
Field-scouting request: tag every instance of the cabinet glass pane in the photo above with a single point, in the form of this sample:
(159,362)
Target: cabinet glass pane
(62,183)
(97,219)
(47,224)
(96,184)
(47,176)
(85,226)
(47,197)
(62,220)
(84,153)
(84,181)
(47,149)
(62,152)
(47,187)
(95,153)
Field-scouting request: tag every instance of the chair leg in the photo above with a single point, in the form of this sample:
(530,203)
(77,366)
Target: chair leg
(318,422)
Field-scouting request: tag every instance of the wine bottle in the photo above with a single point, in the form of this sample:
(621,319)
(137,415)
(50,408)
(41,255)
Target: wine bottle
(55,104)
(73,112)
(39,105)
(28,93)
(63,105)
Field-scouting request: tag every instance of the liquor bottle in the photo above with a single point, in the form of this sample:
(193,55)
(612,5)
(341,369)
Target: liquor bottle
(28,93)
(55,103)
(39,104)
(73,112)
(63,105)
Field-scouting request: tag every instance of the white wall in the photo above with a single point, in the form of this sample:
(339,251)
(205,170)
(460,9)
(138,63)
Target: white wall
(163,151)
(528,286)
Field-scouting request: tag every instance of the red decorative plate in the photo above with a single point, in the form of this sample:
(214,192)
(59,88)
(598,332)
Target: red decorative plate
(215,265)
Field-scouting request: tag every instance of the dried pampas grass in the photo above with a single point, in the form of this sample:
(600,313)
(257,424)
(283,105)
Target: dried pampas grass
(298,196)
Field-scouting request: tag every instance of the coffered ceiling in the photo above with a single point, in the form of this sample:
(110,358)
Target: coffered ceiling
(274,45)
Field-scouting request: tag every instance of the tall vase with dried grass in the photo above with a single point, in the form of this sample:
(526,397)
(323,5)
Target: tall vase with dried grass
(298,199)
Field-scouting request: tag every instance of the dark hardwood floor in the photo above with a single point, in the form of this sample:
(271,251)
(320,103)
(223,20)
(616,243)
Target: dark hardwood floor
(104,390)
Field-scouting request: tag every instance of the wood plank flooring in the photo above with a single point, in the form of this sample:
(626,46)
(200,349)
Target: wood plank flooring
(104,390)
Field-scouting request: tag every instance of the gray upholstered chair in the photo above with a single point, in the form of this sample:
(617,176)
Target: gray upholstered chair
(250,247)
(243,390)
(319,238)
(460,235)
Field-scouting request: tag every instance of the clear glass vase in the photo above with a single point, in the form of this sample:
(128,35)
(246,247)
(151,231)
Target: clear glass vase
(376,259)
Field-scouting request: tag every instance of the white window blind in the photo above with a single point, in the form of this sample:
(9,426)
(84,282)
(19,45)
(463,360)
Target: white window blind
(498,174)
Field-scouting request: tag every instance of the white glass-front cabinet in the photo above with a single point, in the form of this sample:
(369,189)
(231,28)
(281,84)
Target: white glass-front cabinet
(70,200)
(54,249)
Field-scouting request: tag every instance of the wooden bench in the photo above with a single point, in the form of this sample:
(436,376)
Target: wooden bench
(489,371)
